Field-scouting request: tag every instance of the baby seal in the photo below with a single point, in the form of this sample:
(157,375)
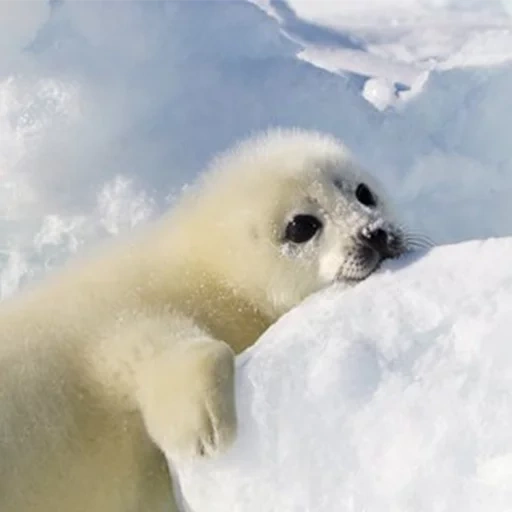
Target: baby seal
(119,359)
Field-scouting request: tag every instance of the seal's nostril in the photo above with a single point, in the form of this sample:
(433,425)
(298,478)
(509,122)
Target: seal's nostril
(379,236)
(377,239)
(384,239)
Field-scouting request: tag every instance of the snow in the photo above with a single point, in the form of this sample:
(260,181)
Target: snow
(393,396)
(107,109)
(396,40)
(19,22)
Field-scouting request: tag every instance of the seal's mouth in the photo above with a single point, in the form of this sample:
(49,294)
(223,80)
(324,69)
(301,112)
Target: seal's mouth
(369,250)
(387,243)
(360,263)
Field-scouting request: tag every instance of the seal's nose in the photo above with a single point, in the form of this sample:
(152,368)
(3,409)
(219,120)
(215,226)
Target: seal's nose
(377,239)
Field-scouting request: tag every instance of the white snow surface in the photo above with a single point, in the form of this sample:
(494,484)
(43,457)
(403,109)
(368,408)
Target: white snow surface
(109,108)
(393,396)
(396,40)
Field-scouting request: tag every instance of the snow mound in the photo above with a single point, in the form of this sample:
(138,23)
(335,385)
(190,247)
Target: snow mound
(393,396)
(398,41)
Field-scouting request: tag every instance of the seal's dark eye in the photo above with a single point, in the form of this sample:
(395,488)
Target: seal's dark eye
(364,195)
(302,228)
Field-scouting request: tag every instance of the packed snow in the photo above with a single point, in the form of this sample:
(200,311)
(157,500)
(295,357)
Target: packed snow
(397,41)
(394,396)
(107,109)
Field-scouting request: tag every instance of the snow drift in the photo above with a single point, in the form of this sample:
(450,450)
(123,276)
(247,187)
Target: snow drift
(395,396)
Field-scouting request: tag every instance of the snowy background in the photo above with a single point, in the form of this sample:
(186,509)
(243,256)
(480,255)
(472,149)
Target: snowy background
(107,109)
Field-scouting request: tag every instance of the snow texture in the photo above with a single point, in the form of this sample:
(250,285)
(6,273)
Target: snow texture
(396,40)
(107,109)
(394,396)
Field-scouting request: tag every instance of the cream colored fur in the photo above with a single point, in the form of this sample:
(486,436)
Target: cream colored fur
(129,354)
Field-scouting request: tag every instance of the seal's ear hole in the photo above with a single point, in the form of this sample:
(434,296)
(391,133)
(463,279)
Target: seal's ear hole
(301,228)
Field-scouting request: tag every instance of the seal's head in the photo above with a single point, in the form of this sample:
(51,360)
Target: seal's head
(291,212)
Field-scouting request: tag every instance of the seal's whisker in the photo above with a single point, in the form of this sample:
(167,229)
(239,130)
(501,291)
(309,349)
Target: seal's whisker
(418,238)
(409,232)
(420,241)
(418,245)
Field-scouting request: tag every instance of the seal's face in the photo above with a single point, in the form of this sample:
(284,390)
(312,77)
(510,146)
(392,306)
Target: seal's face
(292,212)
(339,225)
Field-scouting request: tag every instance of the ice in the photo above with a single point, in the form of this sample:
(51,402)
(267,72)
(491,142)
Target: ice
(393,396)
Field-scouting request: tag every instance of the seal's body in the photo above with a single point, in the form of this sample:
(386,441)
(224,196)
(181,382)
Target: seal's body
(127,356)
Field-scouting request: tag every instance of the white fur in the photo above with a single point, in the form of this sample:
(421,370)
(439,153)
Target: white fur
(130,354)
